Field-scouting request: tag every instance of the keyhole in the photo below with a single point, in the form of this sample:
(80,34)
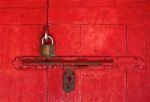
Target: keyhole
(68,82)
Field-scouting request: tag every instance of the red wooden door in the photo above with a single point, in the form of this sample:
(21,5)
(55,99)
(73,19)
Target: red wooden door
(80,28)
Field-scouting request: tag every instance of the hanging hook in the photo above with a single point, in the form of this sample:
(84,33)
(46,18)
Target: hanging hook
(47,36)
(46,32)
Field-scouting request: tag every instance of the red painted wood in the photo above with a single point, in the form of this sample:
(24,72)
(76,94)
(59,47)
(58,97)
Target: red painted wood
(138,82)
(22,16)
(136,36)
(19,86)
(63,3)
(22,3)
(96,37)
(140,3)
(100,15)
(67,35)
(79,27)
(102,86)
(138,86)
(120,3)
(22,86)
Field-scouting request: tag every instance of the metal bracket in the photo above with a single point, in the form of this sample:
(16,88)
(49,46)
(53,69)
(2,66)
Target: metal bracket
(101,62)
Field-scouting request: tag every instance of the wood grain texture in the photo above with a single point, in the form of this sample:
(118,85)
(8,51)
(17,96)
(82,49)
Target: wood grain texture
(79,28)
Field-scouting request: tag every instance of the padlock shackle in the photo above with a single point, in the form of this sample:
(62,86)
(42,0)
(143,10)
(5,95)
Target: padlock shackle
(46,37)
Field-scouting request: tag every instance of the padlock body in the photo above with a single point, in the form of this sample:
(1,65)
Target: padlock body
(48,50)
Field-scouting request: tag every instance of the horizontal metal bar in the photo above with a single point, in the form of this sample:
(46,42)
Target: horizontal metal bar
(122,62)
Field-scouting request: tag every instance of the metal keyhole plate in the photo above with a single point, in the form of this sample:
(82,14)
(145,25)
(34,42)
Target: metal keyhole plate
(69,81)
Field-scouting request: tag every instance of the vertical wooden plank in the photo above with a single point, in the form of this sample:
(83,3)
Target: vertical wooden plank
(20,86)
(138,82)
(137,40)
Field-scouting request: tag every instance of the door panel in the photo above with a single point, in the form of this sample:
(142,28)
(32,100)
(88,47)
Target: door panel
(105,86)
(20,86)
(138,86)
(138,82)
(17,85)
(100,40)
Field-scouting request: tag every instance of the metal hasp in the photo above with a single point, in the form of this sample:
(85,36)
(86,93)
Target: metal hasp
(102,62)
(38,62)
(54,62)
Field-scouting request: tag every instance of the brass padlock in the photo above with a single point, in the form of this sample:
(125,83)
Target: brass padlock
(47,50)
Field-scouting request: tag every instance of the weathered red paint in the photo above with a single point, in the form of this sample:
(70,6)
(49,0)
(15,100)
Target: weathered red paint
(80,28)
